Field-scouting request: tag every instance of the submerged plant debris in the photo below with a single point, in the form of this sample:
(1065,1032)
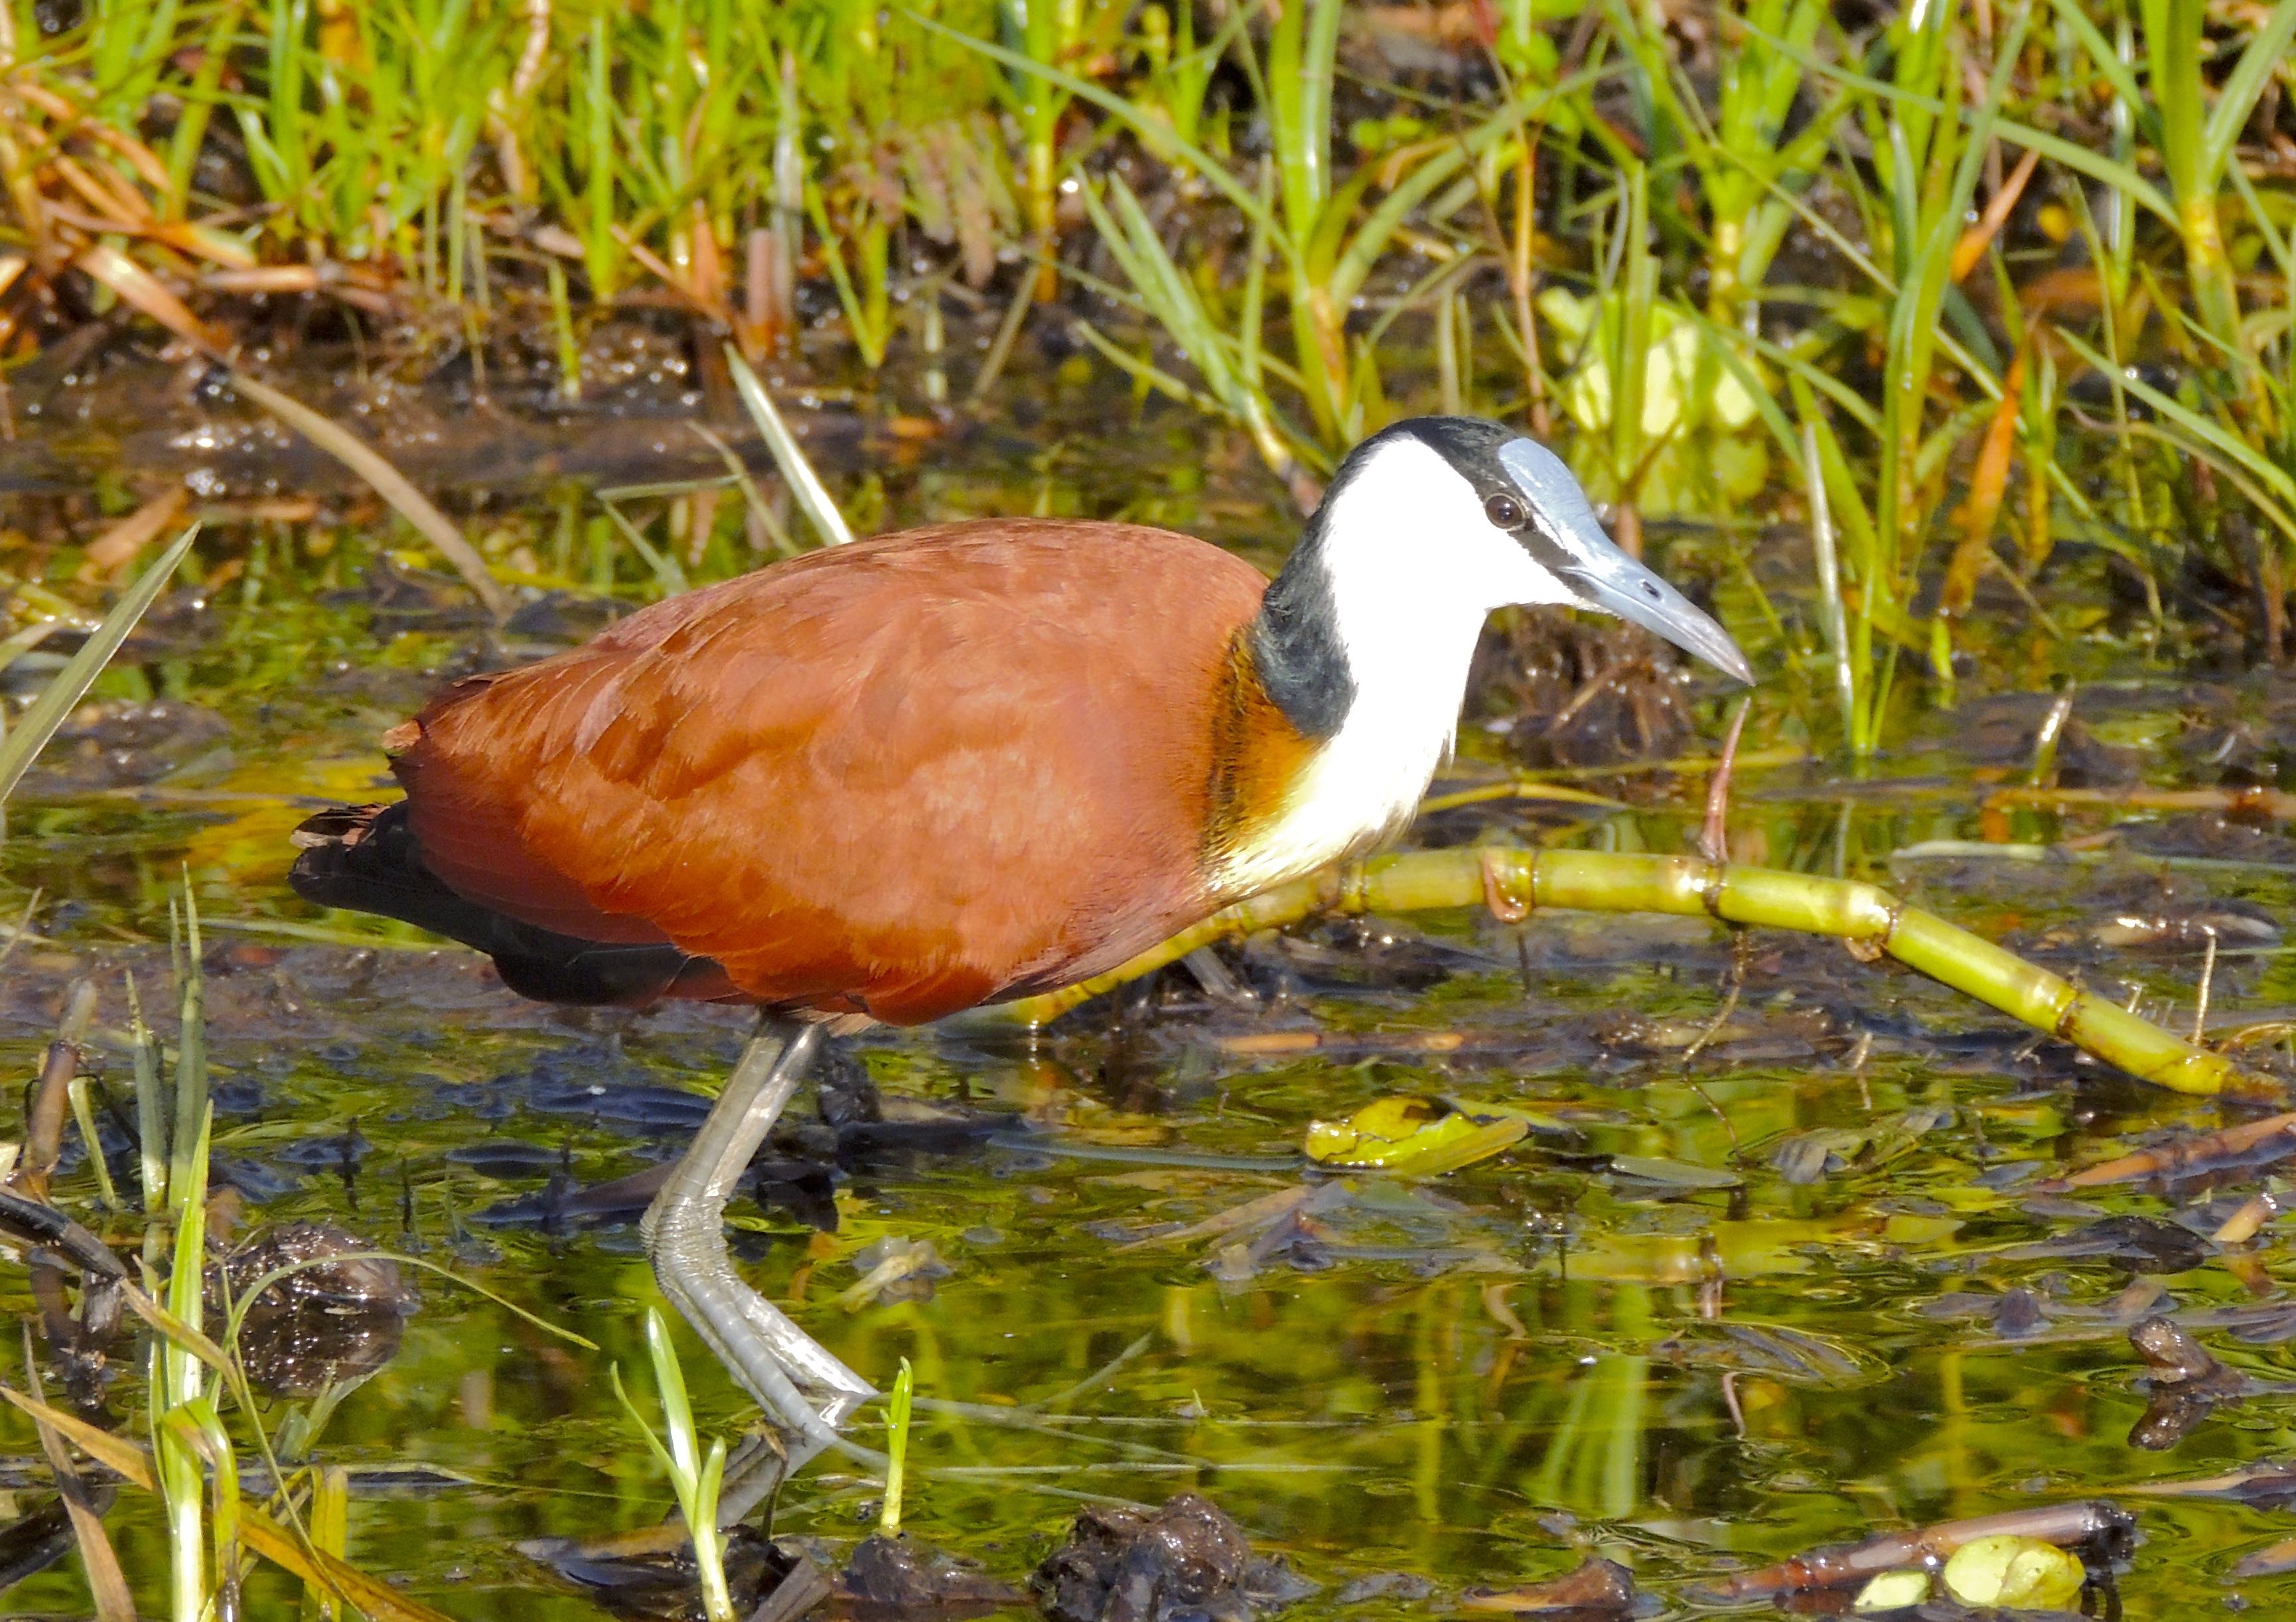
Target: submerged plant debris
(1186,1560)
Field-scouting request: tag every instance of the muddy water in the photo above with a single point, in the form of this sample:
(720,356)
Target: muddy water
(1800,1288)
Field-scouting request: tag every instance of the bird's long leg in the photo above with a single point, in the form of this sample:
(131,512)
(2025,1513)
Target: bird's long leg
(780,1365)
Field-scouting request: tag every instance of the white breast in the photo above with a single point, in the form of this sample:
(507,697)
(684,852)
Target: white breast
(1363,788)
(1415,568)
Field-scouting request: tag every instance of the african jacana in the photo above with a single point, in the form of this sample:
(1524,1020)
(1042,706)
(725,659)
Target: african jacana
(965,763)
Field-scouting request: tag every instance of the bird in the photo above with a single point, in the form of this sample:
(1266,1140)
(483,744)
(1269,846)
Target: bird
(892,780)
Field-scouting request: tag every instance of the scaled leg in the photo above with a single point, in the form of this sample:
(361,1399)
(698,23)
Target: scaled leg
(808,1391)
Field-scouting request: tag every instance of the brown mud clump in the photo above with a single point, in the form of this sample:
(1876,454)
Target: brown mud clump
(1185,1560)
(326,1309)
(1597,1591)
(898,1575)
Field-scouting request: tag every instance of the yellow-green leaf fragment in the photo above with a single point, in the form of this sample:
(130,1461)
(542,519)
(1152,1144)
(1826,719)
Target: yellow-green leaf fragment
(1915,1228)
(1894,1591)
(1376,1133)
(2015,1573)
(1463,1150)
(1411,1137)
(1671,1174)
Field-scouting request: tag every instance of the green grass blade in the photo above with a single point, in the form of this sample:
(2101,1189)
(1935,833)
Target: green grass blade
(2267,52)
(897,1446)
(1372,239)
(151,1113)
(1323,44)
(667,572)
(676,1407)
(1281,97)
(2172,44)
(2106,61)
(1147,375)
(2268,473)
(1165,288)
(804,483)
(2283,249)
(644,1428)
(84,1116)
(187,1170)
(69,684)
(1831,616)
(2121,177)
(696,1479)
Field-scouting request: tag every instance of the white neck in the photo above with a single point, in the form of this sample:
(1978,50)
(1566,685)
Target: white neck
(1413,568)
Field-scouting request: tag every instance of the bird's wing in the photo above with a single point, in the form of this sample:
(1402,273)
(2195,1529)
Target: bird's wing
(905,776)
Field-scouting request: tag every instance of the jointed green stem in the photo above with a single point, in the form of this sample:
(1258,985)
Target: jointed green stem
(1871,920)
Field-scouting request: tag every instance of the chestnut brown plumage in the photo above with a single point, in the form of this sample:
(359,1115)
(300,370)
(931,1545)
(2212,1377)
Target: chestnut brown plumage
(897,779)
(975,761)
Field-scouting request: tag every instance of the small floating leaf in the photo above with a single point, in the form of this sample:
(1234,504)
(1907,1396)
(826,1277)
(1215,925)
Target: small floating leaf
(1376,1133)
(1411,1137)
(1773,1351)
(1916,1228)
(1893,1591)
(2015,1573)
(1463,1150)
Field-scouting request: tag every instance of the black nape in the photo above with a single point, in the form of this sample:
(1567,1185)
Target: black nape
(1295,642)
(1295,646)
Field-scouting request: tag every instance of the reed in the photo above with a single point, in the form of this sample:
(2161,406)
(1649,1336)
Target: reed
(20,745)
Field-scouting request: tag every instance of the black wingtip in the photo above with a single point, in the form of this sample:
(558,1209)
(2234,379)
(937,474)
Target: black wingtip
(366,859)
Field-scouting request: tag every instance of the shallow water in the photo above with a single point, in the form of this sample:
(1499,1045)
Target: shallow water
(1776,1322)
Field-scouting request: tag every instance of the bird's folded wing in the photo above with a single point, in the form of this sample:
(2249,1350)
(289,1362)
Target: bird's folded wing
(903,777)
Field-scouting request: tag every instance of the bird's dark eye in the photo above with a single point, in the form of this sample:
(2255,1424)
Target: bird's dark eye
(1505,511)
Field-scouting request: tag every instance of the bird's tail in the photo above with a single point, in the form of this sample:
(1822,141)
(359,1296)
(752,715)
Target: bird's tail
(366,858)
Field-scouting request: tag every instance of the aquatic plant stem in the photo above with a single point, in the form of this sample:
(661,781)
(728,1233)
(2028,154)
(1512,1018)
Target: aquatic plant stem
(388,482)
(896,1448)
(1831,616)
(696,1479)
(797,472)
(177,1383)
(22,744)
(1873,923)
